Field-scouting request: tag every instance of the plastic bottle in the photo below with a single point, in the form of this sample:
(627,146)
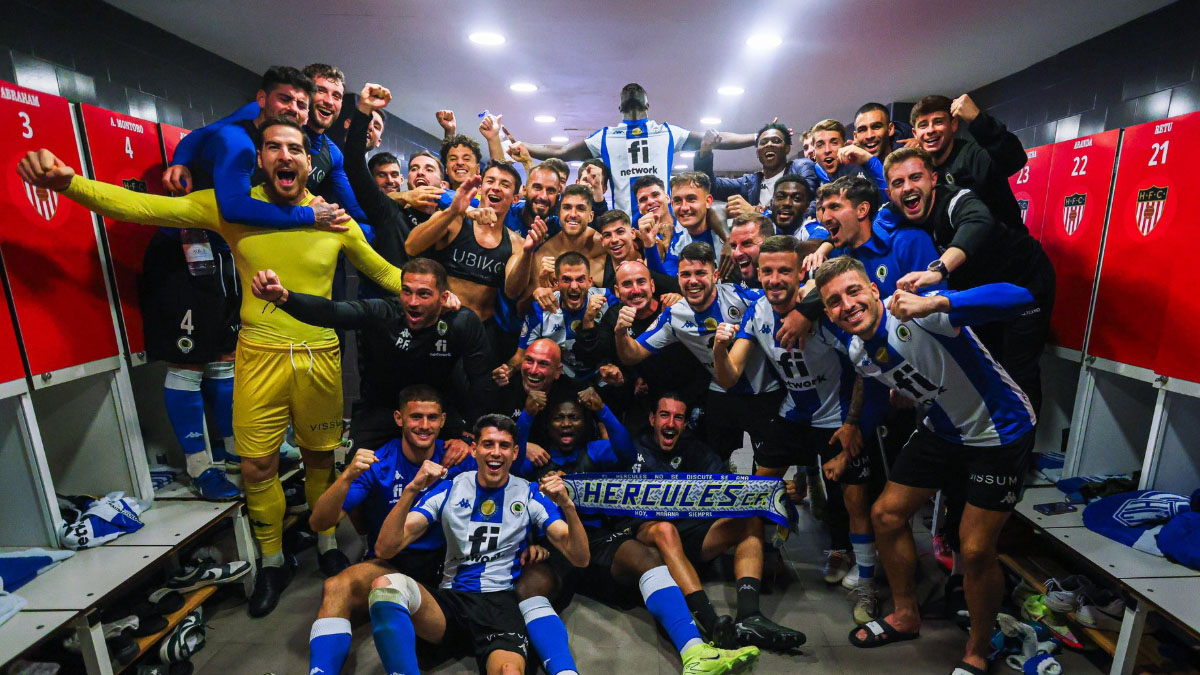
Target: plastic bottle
(198,252)
(505,140)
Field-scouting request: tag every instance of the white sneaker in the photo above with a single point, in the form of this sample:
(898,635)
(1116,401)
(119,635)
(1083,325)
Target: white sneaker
(1101,609)
(837,566)
(850,581)
(866,604)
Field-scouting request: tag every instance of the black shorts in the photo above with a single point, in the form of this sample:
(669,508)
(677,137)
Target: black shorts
(481,623)
(596,578)
(727,416)
(796,444)
(188,319)
(989,477)
(423,565)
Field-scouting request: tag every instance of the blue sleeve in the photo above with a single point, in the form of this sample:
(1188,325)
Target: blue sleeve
(722,188)
(521,465)
(341,185)
(670,262)
(913,250)
(618,436)
(359,489)
(445,199)
(888,220)
(468,464)
(654,261)
(233,155)
(875,402)
(817,232)
(512,219)
(746,328)
(430,503)
(874,169)
(987,303)
(192,145)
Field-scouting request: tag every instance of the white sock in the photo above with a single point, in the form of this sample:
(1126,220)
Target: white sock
(198,463)
(326,542)
(273,560)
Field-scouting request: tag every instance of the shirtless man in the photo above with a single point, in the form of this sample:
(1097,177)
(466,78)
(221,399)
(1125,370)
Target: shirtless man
(537,268)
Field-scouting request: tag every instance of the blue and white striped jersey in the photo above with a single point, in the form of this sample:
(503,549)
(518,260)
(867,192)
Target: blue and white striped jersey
(636,148)
(486,529)
(680,237)
(681,323)
(561,326)
(968,398)
(819,378)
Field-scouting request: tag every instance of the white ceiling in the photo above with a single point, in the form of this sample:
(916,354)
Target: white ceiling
(834,57)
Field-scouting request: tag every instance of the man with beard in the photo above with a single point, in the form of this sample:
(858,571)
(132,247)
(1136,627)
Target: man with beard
(384,167)
(618,560)
(286,370)
(773,144)
(475,254)
(328,176)
(624,243)
(825,412)
(745,237)
(977,436)
(790,207)
(574,295)
(404,340)
(636,147)
(686,542)
(374,132)
(631,390)
(374,480)
(875,132)
(847,207)
(977,250)
(744,407)
(982,165)
(835,158)
(575,217)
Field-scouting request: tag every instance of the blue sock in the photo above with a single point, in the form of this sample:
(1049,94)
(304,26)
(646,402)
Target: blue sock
(548,635)
(185,409)
(395,639)
(864,554)
(328,645)
(665,602)
(218,395)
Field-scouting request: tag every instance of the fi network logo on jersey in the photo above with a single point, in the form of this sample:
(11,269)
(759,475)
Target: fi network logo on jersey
(639,151)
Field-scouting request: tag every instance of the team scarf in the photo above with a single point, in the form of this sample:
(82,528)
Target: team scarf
(681,495)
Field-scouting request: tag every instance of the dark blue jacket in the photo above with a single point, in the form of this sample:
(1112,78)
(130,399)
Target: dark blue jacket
(749,185)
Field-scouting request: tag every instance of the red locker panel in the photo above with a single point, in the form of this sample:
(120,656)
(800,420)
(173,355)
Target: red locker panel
(11,366)
(125,151)
(49,243)
(1029,187)
(1149,232)
(1076,200)
(171,135)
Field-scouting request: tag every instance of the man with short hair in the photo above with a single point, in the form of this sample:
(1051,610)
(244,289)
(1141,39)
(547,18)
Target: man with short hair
(624,243)
(303,386)
(374,130)
(385,169)
(691,199)
(773,143)
(977,436)
(593,172)
(328,160)
(976,250)
(528,272)
(404,340)
(636,147)
(835,158)
(875,132)
(485,516)
(374,481)
(685,542)
(462,158)
(982,165)
(790,209)
(806,145)
(744,407)
(745,237)
(827,411)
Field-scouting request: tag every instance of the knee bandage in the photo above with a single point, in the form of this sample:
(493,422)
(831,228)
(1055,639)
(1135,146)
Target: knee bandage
(401,590)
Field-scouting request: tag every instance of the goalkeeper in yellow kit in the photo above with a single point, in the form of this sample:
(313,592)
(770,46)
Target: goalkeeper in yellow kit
(286,370)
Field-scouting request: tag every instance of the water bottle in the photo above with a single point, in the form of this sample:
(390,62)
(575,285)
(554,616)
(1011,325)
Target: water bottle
(505,140)
(198,252)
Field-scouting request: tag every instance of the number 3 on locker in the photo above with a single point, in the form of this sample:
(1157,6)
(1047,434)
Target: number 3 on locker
(26,130)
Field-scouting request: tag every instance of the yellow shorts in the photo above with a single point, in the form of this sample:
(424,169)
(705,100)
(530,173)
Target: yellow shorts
(275,384)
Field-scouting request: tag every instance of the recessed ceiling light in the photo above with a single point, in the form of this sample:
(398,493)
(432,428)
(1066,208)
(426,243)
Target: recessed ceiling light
(559,139)
(763,41)
(489,39)
(689,153)
(681,165)
(523,87)
(710,120)
(544,119)
(731,91)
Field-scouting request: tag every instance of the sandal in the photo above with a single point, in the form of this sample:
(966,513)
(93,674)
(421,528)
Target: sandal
(879,633)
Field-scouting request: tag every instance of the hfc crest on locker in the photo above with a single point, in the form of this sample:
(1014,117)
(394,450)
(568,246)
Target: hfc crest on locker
(1151,203)
(1073,212)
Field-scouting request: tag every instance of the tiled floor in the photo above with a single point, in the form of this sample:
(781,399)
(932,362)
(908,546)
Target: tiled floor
(605,640)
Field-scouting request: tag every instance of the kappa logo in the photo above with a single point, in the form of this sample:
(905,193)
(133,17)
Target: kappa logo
(463,503)
(1151,203)
(1073,212)
(315,670)
(45,201)
(1010,498)
(195,434)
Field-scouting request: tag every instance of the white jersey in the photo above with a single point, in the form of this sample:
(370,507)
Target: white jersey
(819,378)
(681,323)
(561,325)
(968,398)
(636,148)
(486,529)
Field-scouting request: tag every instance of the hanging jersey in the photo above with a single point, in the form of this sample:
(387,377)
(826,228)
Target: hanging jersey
(465,259)
(561,326)
(486,529)
(636,148)
(968,398)
(378,489)
(819,378)
(681,323)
